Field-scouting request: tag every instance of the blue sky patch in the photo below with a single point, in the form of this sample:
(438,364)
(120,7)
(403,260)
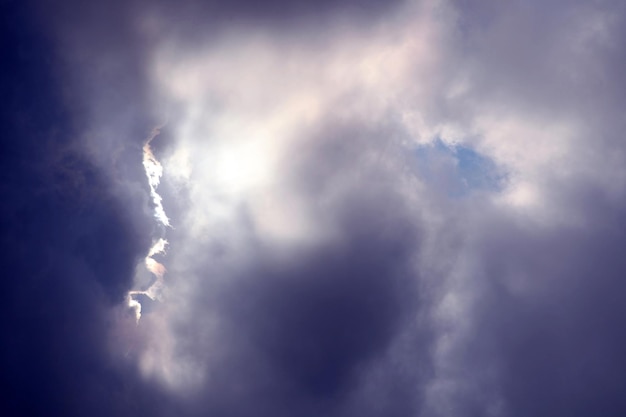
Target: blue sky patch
(458,169)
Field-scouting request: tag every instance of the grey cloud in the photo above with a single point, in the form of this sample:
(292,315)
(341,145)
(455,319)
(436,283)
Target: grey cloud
(553,317)
(511,349)
(299,328)
(406,301)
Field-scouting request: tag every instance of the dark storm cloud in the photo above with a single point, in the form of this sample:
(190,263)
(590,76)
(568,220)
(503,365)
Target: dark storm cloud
(305,335)
(550,318)
(68,246)
(311,270)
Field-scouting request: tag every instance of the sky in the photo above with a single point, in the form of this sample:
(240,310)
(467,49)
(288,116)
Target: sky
(341,208)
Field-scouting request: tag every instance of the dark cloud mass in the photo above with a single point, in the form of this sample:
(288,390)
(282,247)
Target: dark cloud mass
(406,208)
(68,246)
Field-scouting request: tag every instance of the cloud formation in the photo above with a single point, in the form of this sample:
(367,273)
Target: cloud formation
(410,208)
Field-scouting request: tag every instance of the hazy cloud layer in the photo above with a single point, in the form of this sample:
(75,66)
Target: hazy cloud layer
(377,209)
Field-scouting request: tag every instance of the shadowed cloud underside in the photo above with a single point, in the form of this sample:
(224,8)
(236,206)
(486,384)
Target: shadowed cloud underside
(407,208)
